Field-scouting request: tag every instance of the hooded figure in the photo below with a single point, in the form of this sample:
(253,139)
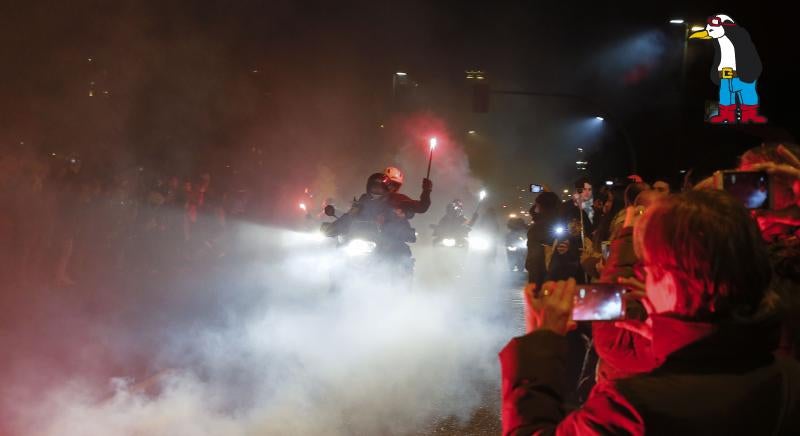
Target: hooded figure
(735,70)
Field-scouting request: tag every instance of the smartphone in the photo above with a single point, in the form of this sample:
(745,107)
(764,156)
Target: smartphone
(752,188)
(606,248)
(599,302)
(559,233)
(536,188)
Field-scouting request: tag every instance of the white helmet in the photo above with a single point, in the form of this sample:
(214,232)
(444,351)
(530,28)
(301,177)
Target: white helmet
(394,175)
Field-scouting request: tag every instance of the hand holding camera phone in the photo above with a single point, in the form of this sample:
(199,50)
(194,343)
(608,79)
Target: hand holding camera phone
(605,246)
(752,188)
(599,302)
(536,188)
(591,302)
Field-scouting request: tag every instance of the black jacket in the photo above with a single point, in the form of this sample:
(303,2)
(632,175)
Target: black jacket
(712,380)
(540,233)
(748,63)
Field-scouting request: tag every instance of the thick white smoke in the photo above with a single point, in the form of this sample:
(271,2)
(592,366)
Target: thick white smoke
(266,349)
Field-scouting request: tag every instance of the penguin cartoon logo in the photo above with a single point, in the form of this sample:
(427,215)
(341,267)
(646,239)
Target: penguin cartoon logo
(735,70)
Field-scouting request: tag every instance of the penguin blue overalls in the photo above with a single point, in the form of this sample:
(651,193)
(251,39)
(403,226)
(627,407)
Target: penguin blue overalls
(736,69)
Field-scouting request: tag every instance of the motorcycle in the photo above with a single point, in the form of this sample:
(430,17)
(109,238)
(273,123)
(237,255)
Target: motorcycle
(370,249)
(516,252)
(449,239)
(358,240)
(516,244)
(463,238)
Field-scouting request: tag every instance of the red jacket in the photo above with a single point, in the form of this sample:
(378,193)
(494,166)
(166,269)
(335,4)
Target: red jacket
(622,353)
(712,380)
(406,204)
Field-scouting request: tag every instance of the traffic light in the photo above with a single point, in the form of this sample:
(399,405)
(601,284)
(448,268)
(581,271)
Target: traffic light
(480,98)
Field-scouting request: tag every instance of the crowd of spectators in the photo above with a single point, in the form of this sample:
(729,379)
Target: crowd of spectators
(64,222)
(709,340)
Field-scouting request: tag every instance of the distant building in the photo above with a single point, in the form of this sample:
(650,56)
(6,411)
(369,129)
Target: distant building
(479,83)
(581,164)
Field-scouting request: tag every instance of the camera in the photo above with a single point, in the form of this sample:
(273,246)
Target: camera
(752,188)
(599,302)
(606,249)
(536,188)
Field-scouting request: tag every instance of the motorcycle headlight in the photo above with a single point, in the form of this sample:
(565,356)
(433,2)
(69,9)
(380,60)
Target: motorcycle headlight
(449,242)
(479,243)
(359,247)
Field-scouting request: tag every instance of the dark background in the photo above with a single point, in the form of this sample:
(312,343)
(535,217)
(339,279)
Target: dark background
(221,85)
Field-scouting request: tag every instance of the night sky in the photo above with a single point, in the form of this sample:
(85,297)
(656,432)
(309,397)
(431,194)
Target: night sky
(191,85)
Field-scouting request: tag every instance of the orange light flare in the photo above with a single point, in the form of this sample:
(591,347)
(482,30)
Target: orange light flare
(432,142)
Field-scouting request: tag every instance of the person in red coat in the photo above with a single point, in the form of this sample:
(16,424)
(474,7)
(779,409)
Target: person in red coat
(711,329)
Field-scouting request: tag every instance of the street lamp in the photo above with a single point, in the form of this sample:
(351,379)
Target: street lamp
(685,44)
(399,82)
(599,118)
(614,124)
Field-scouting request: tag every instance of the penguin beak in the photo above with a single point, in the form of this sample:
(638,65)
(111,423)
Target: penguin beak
(703,34)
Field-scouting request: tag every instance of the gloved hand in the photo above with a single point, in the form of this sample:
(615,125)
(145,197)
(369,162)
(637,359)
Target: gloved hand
(427,185)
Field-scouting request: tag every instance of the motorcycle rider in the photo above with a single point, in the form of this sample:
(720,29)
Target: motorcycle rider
(397,228)
(371,206)
(453,224)
(516,243)
(390,211)
(408,206)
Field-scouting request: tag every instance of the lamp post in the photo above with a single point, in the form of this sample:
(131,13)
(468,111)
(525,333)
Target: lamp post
(589,102)
(685,24)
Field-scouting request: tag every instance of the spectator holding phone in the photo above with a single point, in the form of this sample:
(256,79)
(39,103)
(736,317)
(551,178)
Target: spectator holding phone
(571,247)
(781,162)
(707,274)
(540,235)
(781,227)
